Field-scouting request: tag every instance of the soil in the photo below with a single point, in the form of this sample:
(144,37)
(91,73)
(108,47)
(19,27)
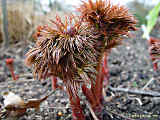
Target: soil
(129,67)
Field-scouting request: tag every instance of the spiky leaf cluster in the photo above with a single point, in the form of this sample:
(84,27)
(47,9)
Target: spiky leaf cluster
(64,49)
(73,50)
(110,20)
(154,48)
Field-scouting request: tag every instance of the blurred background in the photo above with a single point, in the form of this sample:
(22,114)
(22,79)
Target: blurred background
(130,65)
(23,16)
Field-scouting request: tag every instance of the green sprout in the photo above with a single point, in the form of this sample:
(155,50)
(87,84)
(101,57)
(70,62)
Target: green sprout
(151,21)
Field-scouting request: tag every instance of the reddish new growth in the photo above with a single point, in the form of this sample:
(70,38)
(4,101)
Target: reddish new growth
(154,51)
(9,63)
(65,50)
(76,51)
(110,22)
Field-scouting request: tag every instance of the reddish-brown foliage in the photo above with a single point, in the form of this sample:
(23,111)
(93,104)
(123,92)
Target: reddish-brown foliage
(76,50)
(154,50)
(112,21)
(65,50)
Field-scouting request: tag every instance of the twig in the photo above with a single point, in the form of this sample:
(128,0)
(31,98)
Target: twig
(92,112)
(132,91)
(106,98)
(148,83)
(122,116)
(135,98)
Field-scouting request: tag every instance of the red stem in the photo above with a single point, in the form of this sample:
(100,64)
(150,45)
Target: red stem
(9,63)
(155,65)
(94,101)
(94,95)
(90,96)
(12,73)
(77,112)
(106,71)
(101,77)
(54,82)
